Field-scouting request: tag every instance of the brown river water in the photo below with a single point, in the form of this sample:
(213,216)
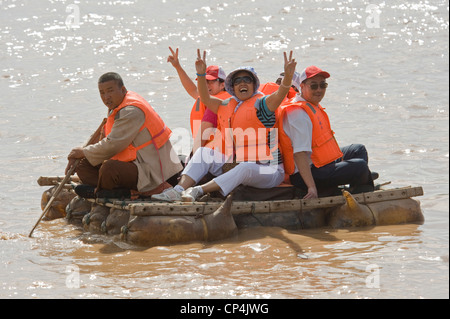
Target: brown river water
(388,89)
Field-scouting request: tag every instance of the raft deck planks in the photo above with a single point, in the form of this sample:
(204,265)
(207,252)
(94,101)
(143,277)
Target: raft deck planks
(247,207)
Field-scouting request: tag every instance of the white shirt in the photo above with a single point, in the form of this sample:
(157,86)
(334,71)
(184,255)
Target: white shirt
(298,127)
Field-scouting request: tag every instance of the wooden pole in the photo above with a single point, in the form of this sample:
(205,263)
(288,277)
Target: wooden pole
(55,180)
(67,177)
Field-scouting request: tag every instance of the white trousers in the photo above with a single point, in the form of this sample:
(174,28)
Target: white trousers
(207,160)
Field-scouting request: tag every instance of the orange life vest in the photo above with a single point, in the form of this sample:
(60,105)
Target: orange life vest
(198,110)
(241,133)
(325,148)
(153,122)
(270,87)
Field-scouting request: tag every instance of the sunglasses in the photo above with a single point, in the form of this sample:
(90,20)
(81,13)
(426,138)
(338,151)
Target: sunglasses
(315,86)
(245,79)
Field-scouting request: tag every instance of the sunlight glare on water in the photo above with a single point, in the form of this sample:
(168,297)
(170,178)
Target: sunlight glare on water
(388,90)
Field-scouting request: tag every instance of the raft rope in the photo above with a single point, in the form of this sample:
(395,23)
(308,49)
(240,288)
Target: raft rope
(373,215)
(205,229)
(252,213)
(205,226)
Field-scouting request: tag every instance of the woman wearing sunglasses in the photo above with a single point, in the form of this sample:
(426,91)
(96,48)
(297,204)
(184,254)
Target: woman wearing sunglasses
(311,154)
(245,122)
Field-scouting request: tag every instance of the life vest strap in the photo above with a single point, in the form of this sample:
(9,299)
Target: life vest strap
(152,139)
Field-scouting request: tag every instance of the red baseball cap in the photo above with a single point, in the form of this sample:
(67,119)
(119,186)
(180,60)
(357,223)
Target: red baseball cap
(214,72)
(311,71)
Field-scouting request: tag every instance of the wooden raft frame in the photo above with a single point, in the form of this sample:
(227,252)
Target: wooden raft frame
(140,208)
(149,208)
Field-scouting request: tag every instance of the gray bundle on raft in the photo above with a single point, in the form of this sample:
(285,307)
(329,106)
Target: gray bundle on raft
(58,208)
(76,209)
(93,221)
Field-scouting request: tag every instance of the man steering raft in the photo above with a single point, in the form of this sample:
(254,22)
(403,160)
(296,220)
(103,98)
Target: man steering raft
(135,154)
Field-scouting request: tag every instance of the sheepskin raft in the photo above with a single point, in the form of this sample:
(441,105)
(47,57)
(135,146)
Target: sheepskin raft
(156,223)
(149,223)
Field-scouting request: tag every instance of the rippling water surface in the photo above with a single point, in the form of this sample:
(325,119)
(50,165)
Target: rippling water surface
(388,90)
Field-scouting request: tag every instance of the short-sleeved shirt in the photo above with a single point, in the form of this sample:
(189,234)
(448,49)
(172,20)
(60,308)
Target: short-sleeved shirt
(298,127)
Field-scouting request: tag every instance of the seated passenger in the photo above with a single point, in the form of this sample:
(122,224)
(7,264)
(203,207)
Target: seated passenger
(136,153)
(311,154)
(203,120)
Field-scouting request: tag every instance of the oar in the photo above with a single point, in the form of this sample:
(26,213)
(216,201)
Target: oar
(67,177)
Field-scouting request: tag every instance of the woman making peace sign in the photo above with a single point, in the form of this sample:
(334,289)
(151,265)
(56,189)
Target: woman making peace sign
(244,126)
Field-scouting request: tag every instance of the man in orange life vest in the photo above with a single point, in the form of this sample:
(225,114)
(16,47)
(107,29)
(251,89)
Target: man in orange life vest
(203,120)
(311,154)
(136,153)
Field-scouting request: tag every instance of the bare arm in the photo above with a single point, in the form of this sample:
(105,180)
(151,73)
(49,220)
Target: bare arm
(274,100)
(302,162)
(210,102)
(186,81)
(206,129)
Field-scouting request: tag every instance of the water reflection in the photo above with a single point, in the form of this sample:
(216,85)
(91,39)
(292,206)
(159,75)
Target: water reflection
(384,75)
(259,263)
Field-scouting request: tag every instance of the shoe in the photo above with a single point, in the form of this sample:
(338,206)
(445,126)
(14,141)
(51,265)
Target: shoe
(114,193)
(168,195)
(375,175)
(85,191)
(362,189)
(190,195)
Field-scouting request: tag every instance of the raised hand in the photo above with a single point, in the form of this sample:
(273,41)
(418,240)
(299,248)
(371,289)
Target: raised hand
(274,100)
(289,65)
(173,59)
(200,63)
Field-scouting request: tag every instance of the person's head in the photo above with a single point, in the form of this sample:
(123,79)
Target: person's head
(313,85)
(242,83)
(280,79)
(112,90)
(215,79)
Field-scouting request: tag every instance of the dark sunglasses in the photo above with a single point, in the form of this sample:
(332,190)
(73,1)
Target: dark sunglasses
(245,79)
(315,86)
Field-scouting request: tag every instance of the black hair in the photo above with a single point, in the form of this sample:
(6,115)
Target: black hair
(111,76)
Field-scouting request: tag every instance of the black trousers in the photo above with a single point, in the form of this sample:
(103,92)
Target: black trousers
(352,169)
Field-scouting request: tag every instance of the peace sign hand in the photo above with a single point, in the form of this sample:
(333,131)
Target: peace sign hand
(200,63)
(173,59)
(289,66)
